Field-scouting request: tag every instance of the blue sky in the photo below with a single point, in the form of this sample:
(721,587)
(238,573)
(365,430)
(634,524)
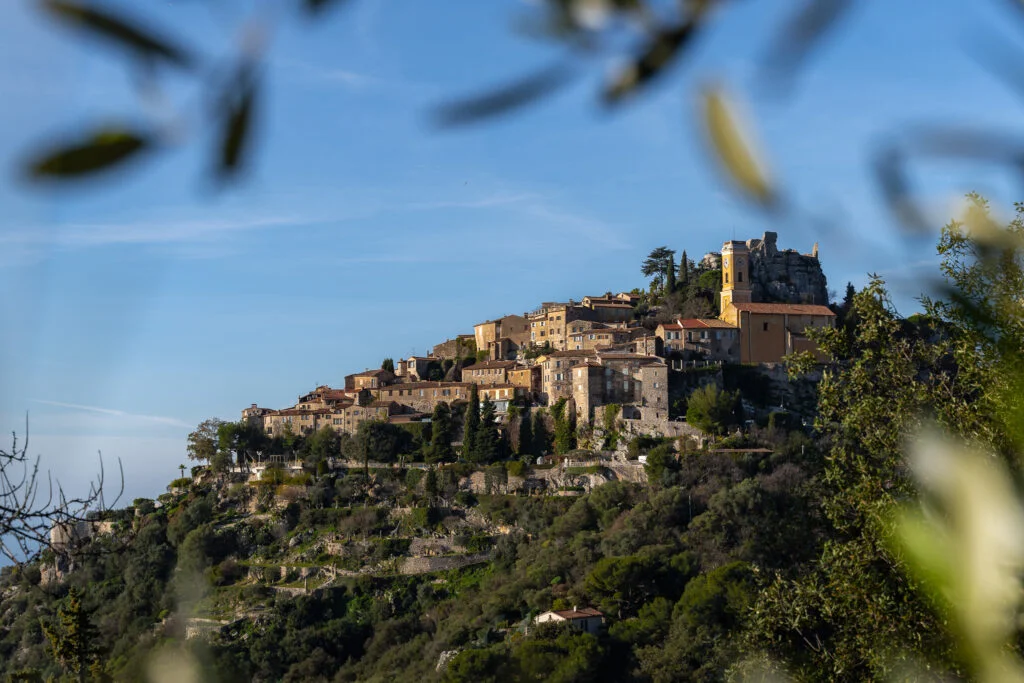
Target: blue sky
(135,308)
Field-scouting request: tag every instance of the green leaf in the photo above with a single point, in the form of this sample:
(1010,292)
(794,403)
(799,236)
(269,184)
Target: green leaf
(803,32)
(662,49)
(733,150)
(99,151)
(118,30)
(236,133)
(502,100)
(317,6)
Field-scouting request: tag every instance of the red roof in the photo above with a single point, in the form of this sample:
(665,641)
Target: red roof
(787,309)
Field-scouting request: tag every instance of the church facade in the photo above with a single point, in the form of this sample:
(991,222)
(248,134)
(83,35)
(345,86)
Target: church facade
(767,331)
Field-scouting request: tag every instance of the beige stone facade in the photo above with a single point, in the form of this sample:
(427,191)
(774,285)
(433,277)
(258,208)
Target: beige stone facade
(622,379)
(556,375)
(769,332)
(489,372)
(370,379)
(423,397)
(503,337)
(529,378)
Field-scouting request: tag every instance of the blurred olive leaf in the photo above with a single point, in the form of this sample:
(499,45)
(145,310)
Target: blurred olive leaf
(504,99)
(236,112)
(802,33)
(117,29)
(317,6)
(98,151)
(733,150)
(942,143)
(663,48)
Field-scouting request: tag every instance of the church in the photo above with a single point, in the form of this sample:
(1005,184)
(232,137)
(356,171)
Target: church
(767,331)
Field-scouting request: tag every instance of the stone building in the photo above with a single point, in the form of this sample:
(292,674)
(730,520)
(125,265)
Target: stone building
(769,332)
(621,379)
(710,339)
(755,276)
(423,397)
(548,324)
(784,276)
(489,372)
(369,379)
(609,312)
(556,378)
(414,368)
(463,345)
(600,336)
(529,378)
(502,338)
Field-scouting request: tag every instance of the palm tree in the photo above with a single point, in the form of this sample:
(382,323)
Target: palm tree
(182,468)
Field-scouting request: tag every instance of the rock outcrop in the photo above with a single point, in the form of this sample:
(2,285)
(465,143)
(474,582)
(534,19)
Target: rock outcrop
(785,276)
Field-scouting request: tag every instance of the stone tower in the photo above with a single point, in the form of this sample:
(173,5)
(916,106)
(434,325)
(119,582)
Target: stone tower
(735,273)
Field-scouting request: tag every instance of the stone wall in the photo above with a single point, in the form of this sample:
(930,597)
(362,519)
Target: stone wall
(785,276)
(424,565)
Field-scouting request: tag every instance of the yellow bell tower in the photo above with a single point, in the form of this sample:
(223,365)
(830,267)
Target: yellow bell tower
(735,274)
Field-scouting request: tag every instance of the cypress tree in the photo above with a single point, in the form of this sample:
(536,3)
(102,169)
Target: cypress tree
(670,273)
(471,423)
(541,437)
(487,442)
(441,432)
(525,434)
(684,272)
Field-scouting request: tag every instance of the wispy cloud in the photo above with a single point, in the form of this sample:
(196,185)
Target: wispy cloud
(28,245)
(79,235)
(478,203)
(159,419)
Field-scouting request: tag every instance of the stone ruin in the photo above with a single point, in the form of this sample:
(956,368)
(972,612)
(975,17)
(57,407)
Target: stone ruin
(785,276)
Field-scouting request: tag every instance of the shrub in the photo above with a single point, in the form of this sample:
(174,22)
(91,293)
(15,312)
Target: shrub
(515,468)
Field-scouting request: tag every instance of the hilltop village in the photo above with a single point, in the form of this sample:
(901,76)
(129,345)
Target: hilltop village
(626,350)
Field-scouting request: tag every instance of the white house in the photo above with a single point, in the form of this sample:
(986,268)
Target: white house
(587,619)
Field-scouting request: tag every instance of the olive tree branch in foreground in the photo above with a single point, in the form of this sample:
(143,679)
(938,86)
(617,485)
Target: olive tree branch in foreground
(33,503)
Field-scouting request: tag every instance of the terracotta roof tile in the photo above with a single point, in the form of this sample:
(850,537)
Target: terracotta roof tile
(790,309)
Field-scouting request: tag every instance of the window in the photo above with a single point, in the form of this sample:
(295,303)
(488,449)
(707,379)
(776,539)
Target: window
(689,336)
(579,387)
(727,278)
(625,385)
(558,377)
(765,327)
(739,276)
(591,336)
(655,385)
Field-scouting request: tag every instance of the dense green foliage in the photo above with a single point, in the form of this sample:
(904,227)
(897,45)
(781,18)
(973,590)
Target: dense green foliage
(777,543)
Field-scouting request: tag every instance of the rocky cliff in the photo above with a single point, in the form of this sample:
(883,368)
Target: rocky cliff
(785,276)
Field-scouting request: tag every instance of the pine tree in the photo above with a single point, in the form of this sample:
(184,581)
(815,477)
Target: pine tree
(525,434)
(487,441)
(73,639)
(441,433)
(471,424)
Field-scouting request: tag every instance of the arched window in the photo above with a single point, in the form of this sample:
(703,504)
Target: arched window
(727,278)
